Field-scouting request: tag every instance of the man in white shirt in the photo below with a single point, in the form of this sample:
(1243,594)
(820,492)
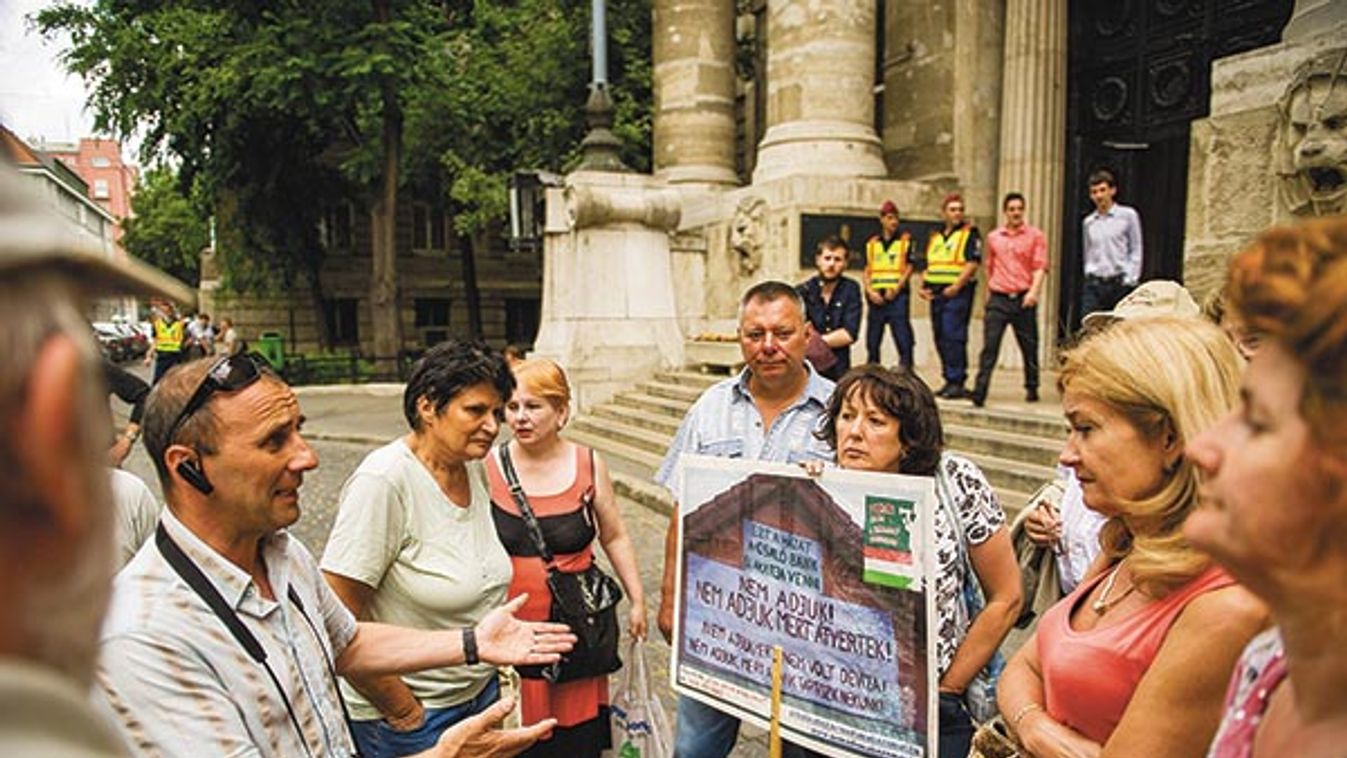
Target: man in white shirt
(1112,246)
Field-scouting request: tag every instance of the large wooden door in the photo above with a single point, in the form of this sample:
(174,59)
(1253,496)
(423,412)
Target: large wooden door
(1139,73)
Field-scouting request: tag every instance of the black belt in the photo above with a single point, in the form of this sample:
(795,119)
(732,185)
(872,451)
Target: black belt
(1118,278)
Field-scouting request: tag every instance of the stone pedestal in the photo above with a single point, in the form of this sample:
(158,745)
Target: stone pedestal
(820,91)
(1033,149)
(608,312)
(693,43)
(1268,153)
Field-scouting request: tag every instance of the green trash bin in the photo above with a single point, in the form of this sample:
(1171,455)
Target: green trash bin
(272,347)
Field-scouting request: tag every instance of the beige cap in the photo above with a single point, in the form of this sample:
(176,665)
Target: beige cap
(1159,297)
(34,238)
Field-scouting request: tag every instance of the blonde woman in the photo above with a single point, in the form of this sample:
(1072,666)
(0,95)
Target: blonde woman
(569,491)
(1136,659)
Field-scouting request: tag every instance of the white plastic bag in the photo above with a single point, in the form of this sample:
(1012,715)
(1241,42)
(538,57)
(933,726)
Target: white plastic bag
(639,727)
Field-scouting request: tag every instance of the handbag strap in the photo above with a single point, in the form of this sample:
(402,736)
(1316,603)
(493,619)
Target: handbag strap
(522,502)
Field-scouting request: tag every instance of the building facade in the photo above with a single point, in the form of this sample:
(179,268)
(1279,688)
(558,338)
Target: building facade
(777,122)
(434,299)
(68,194)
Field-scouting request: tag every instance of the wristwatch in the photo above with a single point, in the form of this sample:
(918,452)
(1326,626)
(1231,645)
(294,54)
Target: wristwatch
(470,646)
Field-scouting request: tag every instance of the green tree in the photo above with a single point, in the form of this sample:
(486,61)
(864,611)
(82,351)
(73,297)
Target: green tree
(277,109)
(166,228)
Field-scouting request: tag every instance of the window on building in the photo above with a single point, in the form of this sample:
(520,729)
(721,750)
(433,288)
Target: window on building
(336,228)
(101,189)
(521,320)
(99,161)
(427,227)
(432,319)
(343,322)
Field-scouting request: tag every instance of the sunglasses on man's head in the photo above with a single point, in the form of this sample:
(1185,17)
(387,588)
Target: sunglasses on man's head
(228,374)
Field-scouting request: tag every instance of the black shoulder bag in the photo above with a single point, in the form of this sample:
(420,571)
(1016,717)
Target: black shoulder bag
(585,601)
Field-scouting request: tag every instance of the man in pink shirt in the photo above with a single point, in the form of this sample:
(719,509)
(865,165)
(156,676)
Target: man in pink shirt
(1016,261)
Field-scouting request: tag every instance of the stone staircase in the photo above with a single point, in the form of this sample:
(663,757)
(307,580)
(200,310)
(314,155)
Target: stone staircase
(1015,448)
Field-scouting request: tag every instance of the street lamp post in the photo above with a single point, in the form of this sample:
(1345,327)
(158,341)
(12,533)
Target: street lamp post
(600,148)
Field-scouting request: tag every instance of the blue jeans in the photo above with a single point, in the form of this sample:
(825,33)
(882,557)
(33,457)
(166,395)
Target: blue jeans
(378,740)
(895,315)
(704,732)
(949,324)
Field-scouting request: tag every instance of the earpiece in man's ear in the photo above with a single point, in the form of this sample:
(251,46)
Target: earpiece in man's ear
(191,472)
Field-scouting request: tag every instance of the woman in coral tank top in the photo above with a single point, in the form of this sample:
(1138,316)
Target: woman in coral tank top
(1134,662)
(1275,495)
(569,491)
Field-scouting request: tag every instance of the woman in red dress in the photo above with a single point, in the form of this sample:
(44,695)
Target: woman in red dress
(569,491)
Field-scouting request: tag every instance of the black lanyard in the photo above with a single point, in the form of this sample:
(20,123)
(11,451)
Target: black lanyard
(195,579)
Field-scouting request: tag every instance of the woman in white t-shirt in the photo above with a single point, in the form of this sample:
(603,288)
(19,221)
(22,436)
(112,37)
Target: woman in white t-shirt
(414,545)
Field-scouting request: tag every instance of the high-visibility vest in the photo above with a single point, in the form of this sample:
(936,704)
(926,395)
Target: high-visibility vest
(167,336)
(945,255)
(887,263)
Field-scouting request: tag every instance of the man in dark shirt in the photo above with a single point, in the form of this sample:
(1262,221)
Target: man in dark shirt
(832,304)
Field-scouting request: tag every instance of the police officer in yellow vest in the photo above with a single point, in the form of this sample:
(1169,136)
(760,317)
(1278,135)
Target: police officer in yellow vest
(946,272)
(887,269)
(166,340)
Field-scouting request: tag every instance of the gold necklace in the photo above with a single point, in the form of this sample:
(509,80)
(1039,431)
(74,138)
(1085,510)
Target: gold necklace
(1102,603)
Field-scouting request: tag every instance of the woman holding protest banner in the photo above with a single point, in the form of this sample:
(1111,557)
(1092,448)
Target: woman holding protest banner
(1135,660)
(570,500)
(1275,495)
(884,420)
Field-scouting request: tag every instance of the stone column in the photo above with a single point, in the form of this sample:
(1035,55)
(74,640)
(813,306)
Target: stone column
(694,91)
(820,91)
(1033,125)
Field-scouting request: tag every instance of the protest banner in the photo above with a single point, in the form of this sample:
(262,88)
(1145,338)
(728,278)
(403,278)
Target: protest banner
(834,569)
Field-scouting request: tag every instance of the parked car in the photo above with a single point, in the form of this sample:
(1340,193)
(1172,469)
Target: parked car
(140,343)
(117,344)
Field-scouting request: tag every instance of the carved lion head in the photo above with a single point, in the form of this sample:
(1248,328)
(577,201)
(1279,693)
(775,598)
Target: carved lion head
(1311,158)
(748,232)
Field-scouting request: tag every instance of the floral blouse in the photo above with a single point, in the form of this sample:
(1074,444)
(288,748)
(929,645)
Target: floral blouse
(980,511)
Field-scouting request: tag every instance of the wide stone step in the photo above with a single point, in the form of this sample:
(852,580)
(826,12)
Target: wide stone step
(637,417)
(1045,425)
(621,457)
(689,378)
(671,391)
(1006,445)
(1011,476)
(652,442)
(652,404)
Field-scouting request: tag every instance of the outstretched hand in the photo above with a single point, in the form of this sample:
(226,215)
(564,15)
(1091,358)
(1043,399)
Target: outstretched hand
(476,737)
(503,639)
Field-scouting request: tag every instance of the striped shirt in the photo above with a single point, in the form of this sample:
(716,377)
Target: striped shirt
(725,422)
(176,682)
